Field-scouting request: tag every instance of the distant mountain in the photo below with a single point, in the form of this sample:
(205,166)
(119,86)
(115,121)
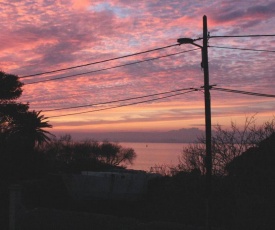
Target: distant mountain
(173,136)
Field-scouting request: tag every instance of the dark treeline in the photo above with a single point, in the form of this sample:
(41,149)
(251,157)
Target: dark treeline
(243,184)
(242,199)
(38,170)
(29,152)
(65,155)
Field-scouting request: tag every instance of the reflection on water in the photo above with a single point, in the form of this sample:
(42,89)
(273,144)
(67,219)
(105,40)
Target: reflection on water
(150,154)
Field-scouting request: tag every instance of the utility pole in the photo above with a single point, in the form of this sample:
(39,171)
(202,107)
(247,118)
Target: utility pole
(207,103)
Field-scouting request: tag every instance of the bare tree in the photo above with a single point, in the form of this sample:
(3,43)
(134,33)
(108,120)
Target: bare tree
(162,169)
(226,145)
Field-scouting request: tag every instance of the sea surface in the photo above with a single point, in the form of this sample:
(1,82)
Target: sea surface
(152,154)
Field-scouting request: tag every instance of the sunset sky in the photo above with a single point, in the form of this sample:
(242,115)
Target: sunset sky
(46,35)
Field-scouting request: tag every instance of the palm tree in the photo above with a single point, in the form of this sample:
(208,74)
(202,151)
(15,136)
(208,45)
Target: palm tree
(20,129)
(29,127)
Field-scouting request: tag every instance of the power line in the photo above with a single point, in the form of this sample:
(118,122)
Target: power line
(236,48)
(134,54)
(78,93)
(244,92)
(115,101)
(244,36)
(98,62)
(108,68)
(118,106)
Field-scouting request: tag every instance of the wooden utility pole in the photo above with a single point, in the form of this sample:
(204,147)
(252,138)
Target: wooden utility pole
(207,103)
(207,87)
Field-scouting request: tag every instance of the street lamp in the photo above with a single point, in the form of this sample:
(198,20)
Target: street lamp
(188,41)
(191,41)
(207,103)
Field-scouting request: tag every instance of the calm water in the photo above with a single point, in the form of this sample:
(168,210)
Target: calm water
(150,154)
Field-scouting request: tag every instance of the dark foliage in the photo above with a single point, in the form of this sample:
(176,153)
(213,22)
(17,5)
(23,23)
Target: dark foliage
(227,144)
(253,174)
(20,131)
(244,199)
(10,87)
(65,155)
(29,127)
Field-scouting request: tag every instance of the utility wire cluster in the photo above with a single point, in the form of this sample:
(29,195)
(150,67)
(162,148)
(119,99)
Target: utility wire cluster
(128,104)
(238,48)
(137,62)
(98,62)
(121,100)
(175,93)
(243,92)
(171,93)
(108,68)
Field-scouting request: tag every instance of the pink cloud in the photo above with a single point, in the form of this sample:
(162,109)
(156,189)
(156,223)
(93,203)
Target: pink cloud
(42,35)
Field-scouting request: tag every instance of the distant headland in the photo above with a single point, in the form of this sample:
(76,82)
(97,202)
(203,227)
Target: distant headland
(185,135)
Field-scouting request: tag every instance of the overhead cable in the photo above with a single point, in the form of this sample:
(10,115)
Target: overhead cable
(118,106)
(243,92)
(108,68)
(115,101)
(243,36)
(236,48)
(98,62)
(75,94)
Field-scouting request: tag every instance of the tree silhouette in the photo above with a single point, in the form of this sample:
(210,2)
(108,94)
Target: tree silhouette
(227,144)
(29,126)
(10,87)
(20,131)
(253,175)
(16,121)
(66,155)
(114,154)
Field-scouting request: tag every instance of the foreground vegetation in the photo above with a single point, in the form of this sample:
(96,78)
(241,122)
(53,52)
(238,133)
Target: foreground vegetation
(28,151)
(243,198)
(243,182)
(242,187)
